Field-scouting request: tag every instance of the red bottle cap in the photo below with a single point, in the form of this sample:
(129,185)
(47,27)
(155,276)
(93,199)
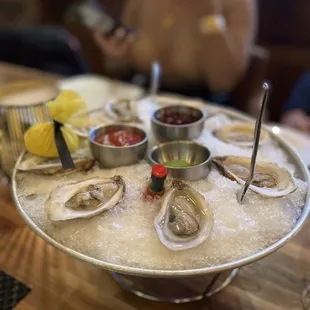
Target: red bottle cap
(159,171)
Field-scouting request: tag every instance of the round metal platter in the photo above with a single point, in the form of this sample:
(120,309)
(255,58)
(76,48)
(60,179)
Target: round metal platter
(294,158)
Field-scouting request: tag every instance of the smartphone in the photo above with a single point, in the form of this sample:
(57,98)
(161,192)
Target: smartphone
(92,16)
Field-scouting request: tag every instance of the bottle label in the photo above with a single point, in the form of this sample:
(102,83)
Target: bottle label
(157,184)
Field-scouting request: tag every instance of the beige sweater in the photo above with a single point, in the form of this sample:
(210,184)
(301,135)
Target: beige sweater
(169,31)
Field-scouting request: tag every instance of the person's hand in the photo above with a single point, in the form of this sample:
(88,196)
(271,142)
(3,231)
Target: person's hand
(115,45)
(298,119)
(213,22)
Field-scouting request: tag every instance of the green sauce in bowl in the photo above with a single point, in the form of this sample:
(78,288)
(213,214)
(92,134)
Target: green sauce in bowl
(179,163)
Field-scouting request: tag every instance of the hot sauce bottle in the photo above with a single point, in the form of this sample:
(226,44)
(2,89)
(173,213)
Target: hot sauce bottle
(156,188)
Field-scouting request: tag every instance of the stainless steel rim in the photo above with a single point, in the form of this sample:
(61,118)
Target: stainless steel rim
(199,121)
(154,148)
(97,128)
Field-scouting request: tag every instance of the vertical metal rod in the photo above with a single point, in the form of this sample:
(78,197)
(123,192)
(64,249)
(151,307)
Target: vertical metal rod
(155,79)
(241,193)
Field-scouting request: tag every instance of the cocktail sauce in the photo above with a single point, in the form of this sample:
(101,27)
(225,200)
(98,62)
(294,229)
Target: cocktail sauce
(118,138)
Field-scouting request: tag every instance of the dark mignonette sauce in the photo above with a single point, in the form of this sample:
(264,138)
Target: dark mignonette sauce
(177,118)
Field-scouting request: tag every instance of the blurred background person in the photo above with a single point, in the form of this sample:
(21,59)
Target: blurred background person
(26,41)
(297,108)
(46,48)
(204,46)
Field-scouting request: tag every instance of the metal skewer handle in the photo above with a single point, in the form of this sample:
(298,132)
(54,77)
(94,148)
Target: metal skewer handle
(241,193)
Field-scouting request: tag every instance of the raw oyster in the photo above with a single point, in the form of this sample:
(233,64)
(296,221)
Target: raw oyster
(51,166)
(269,179)
(81,124)
(84,199)
(184,220)
(240,134)
(122,110)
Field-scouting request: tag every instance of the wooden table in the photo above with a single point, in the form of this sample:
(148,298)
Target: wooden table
(59,282)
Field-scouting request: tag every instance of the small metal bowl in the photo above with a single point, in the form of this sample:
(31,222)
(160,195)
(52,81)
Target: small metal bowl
(193,153)
(113,156)
(168,132)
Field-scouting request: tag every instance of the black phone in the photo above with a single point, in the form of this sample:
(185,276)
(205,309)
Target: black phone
(92,16)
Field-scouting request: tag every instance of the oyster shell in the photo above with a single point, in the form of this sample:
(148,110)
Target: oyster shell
(52,166)
(184,220)
(84,199)
(82,123)
(122,110)
(269,179)
(240,134)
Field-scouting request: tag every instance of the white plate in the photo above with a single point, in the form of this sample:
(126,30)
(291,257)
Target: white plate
(96,89)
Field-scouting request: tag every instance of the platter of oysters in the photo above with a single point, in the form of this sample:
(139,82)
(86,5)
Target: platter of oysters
(133,204)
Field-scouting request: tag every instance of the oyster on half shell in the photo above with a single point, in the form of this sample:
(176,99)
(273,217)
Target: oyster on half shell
(269,179)
(185,219)
(240,134)
(84,199)
(52,166)
(123,110)
(82,123)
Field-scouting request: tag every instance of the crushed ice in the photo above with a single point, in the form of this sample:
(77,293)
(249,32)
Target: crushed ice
(126,234)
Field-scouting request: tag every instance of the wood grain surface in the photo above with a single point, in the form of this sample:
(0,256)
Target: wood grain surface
(59,282)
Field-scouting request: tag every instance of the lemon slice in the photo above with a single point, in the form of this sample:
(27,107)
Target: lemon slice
(65,106)
(39,140)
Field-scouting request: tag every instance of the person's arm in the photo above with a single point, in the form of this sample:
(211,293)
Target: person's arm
(109,34)
(297,109)
(115,49)
(300,96)
(224,54)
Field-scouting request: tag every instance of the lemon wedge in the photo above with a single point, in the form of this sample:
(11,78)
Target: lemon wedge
(39,140)
(65,106)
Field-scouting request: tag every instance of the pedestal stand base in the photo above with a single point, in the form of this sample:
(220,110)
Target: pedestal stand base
(176,290)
